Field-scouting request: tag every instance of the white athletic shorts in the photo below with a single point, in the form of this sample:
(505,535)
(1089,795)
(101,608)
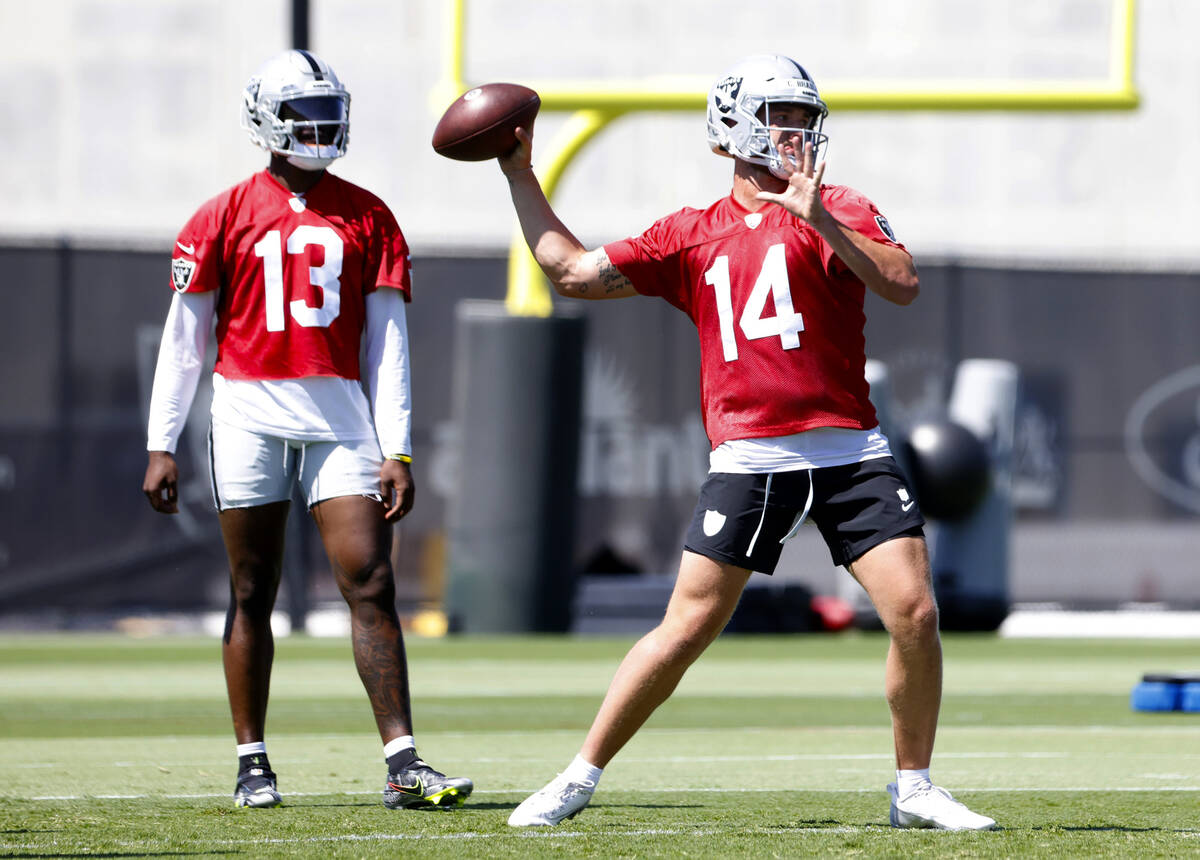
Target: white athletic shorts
(251,468)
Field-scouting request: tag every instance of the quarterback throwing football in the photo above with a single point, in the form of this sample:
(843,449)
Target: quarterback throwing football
(300,268)
(774,277)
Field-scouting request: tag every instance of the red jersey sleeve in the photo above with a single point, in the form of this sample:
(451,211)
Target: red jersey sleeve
(387,262)
(651,263)
(196,257)
(858,213)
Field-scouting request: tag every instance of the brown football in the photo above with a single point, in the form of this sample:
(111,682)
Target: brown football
(479,124)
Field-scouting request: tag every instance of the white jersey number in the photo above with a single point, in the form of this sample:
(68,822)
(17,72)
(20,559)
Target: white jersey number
(786,324)
(325,276)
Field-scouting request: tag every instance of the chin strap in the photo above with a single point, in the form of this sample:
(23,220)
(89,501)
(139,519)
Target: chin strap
(309,162)
(308,157)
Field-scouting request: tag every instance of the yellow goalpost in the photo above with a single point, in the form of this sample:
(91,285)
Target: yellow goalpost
(595,105)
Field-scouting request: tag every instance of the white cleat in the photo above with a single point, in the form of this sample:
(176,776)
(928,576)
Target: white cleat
(931,806)
(559,800)
(257,792)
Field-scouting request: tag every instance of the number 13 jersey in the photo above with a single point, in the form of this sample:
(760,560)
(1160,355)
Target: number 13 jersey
(293,273)
(779,315)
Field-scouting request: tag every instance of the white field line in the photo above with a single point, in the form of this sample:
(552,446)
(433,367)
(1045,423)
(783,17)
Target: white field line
(515,833)
(541,833)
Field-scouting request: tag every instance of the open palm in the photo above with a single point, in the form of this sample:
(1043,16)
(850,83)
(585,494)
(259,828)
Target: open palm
(802,197)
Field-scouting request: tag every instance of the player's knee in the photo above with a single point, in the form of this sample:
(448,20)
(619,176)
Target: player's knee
(252,588)
(686,637)
(371,583)
(671,647)
(917,616)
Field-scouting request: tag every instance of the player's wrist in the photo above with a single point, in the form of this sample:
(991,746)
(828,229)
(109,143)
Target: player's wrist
(400,458)
(823,222)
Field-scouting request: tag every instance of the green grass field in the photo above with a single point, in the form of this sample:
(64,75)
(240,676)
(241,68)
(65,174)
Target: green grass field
(772,747)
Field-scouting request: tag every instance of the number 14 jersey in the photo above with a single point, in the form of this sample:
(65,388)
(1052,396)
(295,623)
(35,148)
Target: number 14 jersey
(779,315)
(293,273)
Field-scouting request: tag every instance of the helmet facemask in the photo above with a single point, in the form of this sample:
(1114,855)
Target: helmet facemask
(760,138)
(315,130)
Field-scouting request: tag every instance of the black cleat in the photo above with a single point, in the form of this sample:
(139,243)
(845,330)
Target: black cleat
(420,785)
(256,786)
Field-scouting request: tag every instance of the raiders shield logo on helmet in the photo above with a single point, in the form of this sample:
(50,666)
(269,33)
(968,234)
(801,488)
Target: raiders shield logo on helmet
(181,273)
(725,93)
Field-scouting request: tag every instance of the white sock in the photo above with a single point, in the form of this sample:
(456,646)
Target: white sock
(400,744)
(908,781)
(256,748)
(580,771)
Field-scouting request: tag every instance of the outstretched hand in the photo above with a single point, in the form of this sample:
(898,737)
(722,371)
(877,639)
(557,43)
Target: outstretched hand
(802,197)
(521,157)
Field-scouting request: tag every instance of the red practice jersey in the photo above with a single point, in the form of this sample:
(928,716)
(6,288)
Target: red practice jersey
(293,272)
(780,316)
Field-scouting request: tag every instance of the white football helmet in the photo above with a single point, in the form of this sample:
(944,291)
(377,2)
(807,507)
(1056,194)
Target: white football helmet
(736,129)
(296,107)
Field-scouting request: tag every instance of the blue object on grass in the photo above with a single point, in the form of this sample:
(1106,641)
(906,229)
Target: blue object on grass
(1189,698)
(1156,696)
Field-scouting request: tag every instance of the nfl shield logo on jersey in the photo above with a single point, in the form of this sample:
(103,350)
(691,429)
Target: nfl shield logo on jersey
(885,227)
(181,273)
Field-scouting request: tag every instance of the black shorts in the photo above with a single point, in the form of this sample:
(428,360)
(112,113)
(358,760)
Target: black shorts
(743,519)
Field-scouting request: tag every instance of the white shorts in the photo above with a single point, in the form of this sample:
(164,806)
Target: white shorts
(251,468)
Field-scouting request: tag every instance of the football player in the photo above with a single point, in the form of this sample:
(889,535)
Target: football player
(299,268)
(774,277)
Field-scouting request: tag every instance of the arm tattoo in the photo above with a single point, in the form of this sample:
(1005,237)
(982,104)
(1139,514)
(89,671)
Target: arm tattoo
(610,276)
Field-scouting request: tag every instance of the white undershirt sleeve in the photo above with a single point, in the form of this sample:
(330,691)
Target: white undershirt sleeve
(387,373)
(180,363)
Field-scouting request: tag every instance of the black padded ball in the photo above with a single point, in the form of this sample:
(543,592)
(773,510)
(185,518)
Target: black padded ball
(949,468)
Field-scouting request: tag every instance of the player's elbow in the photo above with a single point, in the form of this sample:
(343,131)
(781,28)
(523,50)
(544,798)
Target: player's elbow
(574,289)
(896,277)
(570,279)
(569,288)
(564,287)
(898,283)
(905,288)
